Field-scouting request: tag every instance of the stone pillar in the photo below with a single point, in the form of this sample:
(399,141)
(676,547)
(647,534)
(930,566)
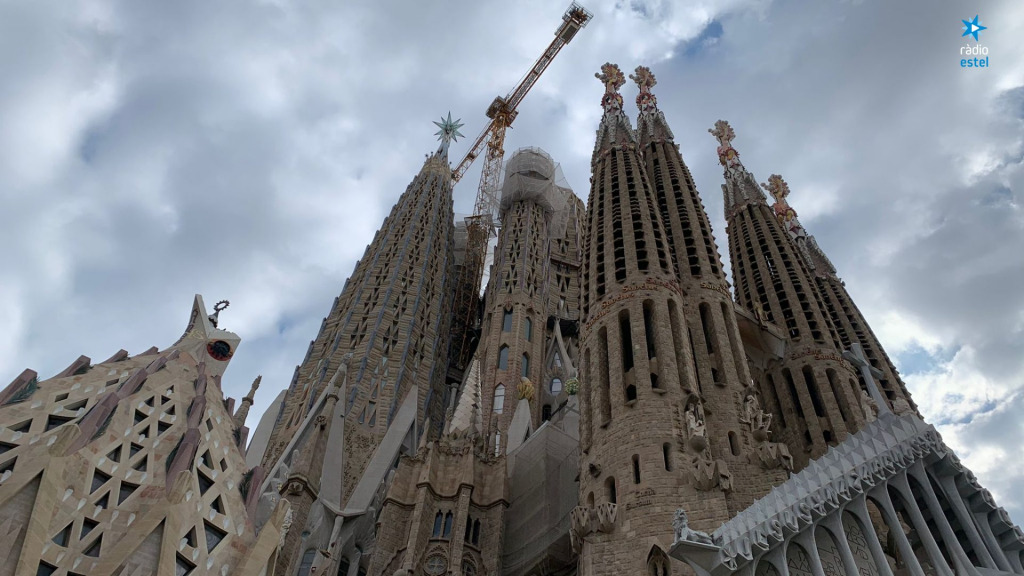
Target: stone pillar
(892,520)
(859,509)
(353,566)
(834,523)
(960,559)
(806,539)
(899,482)
(952,493)
(459,530)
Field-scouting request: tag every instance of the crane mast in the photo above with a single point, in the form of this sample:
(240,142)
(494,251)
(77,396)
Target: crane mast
(481,225)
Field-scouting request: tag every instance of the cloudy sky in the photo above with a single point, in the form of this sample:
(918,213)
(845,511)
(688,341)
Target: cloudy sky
(248,150)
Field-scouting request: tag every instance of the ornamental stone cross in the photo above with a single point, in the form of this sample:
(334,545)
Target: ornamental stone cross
(856,357)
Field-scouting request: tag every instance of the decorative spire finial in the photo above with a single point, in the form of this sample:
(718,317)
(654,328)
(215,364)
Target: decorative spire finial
(449,132)
(217,308)
(613,79)
(727,155)
(778,188)
(644,78)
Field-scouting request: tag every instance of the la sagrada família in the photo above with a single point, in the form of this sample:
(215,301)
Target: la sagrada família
(624,409)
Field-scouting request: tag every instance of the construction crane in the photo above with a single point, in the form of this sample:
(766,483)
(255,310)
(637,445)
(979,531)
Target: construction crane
(481,225)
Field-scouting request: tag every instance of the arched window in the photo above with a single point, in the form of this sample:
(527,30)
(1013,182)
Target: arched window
(499,398)
(476,532)
(526,366)
(468,568)
(307,562)
(506,321)
(609,485)
(528,329)
(447,525)
(469,529)
(503,358)
(556,385)
(497,443)
(343,566)
(438,518)
(657,563)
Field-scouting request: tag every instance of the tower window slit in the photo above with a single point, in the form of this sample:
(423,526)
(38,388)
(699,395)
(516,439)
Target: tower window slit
(705,323)
(666,453)
(636,469)
(605,386)
(812,388)
(626,348)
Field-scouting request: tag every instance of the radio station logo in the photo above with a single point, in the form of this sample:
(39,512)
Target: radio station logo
(975,56)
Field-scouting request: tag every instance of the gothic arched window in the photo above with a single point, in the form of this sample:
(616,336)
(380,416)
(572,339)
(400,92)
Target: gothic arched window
(528,329)
(526,366)
(556,386)
(503,358)
(499,398)
(438,518)
(447,525)
(506,321)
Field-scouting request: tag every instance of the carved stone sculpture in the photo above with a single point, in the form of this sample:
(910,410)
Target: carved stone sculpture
(683,533)
(868,406)
(696,426)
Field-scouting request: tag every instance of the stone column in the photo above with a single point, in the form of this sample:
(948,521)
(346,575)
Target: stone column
(899,482)
(952,493)
(963,563)
(834,523)
(892,520)
(858,507)
(993,543)
(459,531)
(353,566)
(806,539)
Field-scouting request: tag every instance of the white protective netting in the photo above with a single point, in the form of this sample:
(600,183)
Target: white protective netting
(531,174)
(543,491)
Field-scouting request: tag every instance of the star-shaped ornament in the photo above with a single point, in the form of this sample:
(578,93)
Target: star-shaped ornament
(449,129)
(972,27)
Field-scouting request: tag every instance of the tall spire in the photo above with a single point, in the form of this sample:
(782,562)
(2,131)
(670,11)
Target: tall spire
(243,411)
(615,128)
(812,390)
(740,186)
(651,125)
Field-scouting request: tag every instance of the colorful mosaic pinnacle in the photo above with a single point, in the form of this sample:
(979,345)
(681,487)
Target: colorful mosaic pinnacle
(727,155)
(644,78)
(613,79)
(777,187)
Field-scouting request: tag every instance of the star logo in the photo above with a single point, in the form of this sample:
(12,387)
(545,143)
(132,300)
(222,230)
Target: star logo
(972,27)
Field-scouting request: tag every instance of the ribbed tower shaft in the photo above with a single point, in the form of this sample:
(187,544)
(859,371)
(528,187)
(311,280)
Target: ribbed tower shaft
(812,390)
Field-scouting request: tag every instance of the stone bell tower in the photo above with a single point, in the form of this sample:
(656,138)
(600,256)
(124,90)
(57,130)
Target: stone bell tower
(642,418)
(812,389)
(851,327)
(732,404)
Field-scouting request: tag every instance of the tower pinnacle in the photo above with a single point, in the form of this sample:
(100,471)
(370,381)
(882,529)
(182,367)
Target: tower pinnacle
(615,129)
(613,79)
(651,126)
(779,190)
